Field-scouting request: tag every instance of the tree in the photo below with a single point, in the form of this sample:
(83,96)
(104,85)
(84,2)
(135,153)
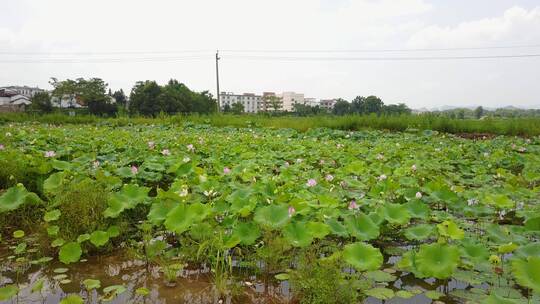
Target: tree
(273,102)
(358,105)
(479,112)
(237,108)
(373,104)
(226,108)
(91,93)
(144,98)
(341,107)
(398,109)
(120,97)
(41,102)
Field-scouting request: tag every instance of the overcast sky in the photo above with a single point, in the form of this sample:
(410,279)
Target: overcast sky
(123,41)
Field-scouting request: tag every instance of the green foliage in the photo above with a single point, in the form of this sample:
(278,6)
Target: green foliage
(527,272)
(437,260)
(362,256)
(41,102)
(70,253)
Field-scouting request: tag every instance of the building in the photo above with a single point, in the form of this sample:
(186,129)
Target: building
(271,102)
(291,98)
(327,104)
(24,90)
(250,101)
(312,102)
(12,101)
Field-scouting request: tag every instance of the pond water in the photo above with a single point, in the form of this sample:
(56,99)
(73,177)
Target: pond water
(193,286)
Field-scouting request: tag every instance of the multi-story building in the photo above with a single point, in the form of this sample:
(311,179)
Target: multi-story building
(24,90)
(291,98)
(327,104)
(250,101)
(312,102)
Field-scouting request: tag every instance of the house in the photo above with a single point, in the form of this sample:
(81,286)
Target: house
(24,90)
(250,101)
(12,101)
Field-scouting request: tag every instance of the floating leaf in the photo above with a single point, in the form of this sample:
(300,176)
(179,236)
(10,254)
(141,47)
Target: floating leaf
(18,234)
(70,253)
(380,293)
(282,276)
(90,284)
(362,256)
(419,232)
(83,237)
(142,291)
(450,229)
(113,231)
(433,294)
(72,299)
(57,242)
(53,230)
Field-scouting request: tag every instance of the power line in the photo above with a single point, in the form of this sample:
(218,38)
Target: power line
(285,58)
(104,60)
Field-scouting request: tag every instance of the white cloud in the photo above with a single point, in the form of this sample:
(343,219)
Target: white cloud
(516,26)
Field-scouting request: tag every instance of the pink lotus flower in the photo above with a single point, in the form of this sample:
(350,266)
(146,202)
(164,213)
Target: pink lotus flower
(311,182)
(190,148)
(418,195)
(329,177)
(353,205)
(413,167)
(50,154)
(291,211)
(321,162)
(134,169)
(380,156)
(382,177)
(151,144)
(2,147)
(286,164)
(95,164)
(226,170)
(166,152)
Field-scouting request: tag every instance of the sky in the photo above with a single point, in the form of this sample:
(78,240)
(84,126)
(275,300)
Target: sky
(125,41)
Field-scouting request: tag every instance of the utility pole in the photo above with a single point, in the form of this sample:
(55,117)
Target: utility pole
(217,81)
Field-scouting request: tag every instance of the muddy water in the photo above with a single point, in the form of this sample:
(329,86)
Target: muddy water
(193,285)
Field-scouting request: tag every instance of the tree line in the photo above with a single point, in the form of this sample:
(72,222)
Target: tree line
(147,98)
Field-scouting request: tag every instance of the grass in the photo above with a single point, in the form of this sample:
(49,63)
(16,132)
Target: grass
(499,126)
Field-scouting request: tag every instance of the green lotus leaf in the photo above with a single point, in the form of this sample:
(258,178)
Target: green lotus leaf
(433,294)
(83,237)
(112,291)
(404,294)
(38,285)
(52,215)
(380,293)
(419,232)
(113,231)
(16,196)
(380,276)
(531,249)
(507,248)
(527,272)
(248,233)
(70,253)
(127,198)
(396,214)
(272,217)
(450,229)
(362,227)
(496,299)
(437,260)
(317,229)
(181,217)
(7,292)
(99,238)
(90,284)
(72,299)
(53,183)
(60,270)
(533,224)
(159,210)
(297,234)
(337,228)
(282,276)
(500,201)
(58,242)
(142,291)
(362,256)
(474,250)
(53,230)
(18,234)
(418,209)
(61,165)
(201,231)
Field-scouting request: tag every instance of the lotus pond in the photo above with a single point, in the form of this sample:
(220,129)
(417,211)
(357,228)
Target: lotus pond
(198,214)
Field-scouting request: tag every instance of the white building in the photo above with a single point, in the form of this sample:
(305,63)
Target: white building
(291,98)
(312,102)
(24,90)
(250,101)
(328,104)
